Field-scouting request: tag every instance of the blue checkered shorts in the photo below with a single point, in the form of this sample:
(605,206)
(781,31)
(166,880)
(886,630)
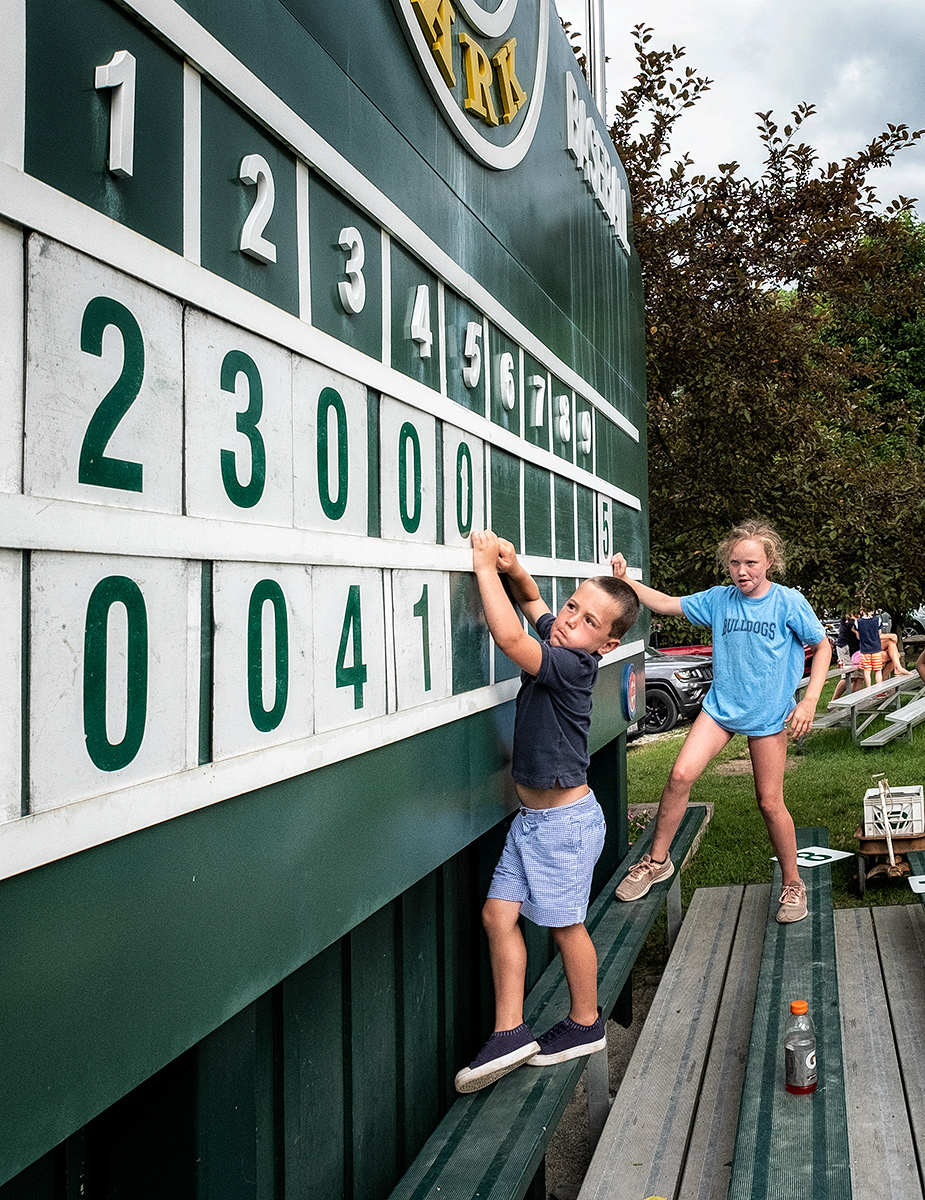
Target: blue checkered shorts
(548,860)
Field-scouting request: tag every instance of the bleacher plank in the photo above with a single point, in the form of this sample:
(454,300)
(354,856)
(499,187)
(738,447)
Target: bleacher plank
(490,1143)
(709,1157)
(879,1134)
(901,937)
(882,736)
(795,1147)
(642,1148)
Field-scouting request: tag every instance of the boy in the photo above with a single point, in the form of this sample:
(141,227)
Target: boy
(557,836)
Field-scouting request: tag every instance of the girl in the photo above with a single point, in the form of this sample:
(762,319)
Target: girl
(759,629)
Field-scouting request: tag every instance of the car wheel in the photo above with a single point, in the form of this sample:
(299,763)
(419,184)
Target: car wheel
(661,711)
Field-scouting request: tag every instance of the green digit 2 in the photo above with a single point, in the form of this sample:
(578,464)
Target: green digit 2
(245,495)
(267,591)
(94,465)
(352,631)
(422,610)
(115,589)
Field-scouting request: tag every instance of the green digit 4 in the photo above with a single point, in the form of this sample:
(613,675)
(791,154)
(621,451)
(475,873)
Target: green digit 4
(352,632)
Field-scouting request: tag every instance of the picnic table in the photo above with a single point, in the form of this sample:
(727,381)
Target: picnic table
(860,709)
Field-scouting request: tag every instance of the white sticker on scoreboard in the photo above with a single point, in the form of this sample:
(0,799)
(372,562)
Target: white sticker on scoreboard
(11,635)
(110,702)
(408,470)
(263,656)
(349,646)
(11,374)
(104,387)
(331,456)
(238,424)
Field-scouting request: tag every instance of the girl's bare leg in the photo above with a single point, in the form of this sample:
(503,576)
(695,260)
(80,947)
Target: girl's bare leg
(701,745)
(769,757)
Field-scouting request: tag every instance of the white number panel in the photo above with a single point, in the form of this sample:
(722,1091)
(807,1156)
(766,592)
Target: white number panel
(408,472)
(104,394)
(111,641)
(11,293)
(263,656)
(238,424)
(331,467)
(463,486)
(10,673)
(349,646)
(419,617)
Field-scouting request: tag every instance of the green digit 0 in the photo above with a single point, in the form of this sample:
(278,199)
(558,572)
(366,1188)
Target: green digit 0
(408,436)
(94,465)
(464,490)
(354,675)
(333,508)
(115,589)
(422,610)
(267,591)
(235,363)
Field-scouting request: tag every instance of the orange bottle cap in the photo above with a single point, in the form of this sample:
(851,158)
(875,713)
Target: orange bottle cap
(798,1007)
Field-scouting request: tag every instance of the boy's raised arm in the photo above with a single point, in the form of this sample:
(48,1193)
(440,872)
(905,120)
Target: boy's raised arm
(522,584)
(658,602)
(502,619)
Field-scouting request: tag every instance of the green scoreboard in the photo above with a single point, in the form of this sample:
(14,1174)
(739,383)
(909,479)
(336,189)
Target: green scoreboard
(294,297)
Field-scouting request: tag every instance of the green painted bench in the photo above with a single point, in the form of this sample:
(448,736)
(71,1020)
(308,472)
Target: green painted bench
(702,1112)
(491,1143)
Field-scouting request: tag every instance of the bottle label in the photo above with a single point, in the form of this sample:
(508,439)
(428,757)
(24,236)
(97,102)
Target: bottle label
(800,1067)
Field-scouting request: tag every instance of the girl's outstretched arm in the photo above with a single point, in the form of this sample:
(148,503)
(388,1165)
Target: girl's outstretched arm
(658,602)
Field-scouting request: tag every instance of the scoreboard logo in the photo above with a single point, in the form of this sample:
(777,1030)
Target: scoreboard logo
(486,68)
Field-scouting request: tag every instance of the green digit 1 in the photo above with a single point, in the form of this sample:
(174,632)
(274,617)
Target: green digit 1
(353,676)
(409,435)
(422,610)
(94,466)
(267,590)
(115,589)
(328,400)
(464,490)
(235,363)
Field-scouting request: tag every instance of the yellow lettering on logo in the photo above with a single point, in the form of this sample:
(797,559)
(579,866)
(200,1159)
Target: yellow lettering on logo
(478,80)
(512,94)
(435,18)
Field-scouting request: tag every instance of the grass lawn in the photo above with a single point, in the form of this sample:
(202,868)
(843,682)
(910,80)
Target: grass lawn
(824,785)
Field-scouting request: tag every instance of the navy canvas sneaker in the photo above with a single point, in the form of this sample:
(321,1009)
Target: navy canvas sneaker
(501,1053)
(567,1039)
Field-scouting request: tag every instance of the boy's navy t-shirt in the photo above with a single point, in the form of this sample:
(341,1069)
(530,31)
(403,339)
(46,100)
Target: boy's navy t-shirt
(554,716)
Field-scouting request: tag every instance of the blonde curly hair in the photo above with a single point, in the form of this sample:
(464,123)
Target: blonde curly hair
(755,531)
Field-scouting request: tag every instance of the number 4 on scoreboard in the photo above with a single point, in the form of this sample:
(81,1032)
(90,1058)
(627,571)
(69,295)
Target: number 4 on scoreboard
(351,634)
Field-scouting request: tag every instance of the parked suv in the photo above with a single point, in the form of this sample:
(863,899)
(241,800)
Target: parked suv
(675,687)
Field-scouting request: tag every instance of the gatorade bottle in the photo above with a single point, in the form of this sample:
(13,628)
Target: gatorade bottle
(800,1050)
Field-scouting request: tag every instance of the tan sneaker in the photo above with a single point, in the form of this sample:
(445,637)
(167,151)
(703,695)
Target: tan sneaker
(792,903)
(643,875)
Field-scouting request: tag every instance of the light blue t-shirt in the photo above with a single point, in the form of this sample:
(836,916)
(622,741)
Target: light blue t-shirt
(757,654)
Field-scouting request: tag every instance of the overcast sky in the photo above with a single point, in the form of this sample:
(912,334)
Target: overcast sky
(860,62)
